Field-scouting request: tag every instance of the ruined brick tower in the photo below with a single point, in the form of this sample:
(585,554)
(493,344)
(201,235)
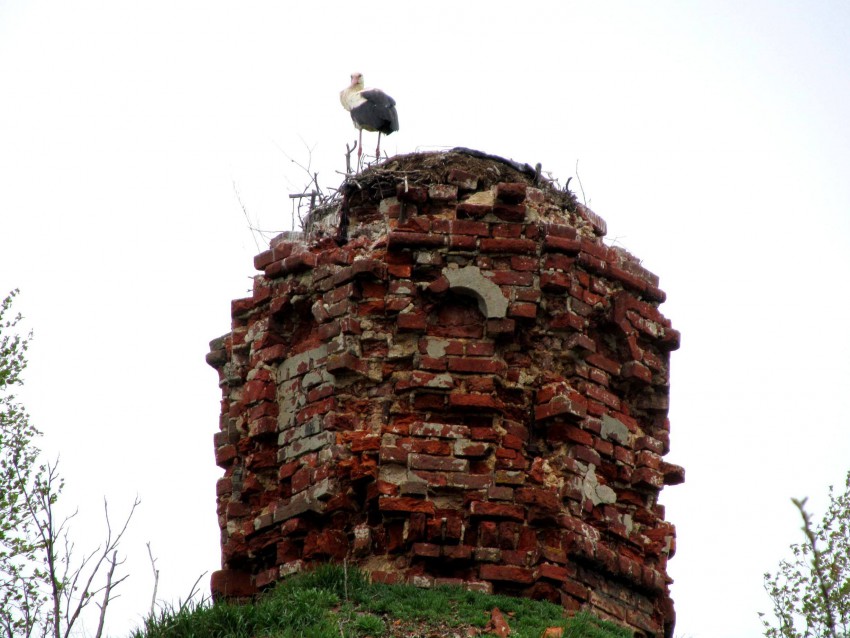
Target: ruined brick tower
(451,379)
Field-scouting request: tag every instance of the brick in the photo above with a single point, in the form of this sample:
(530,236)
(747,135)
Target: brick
(477,401)
(521,575)
(553,572)
(462,243)
(475,211)
(411,194)
(497,510)
(649,443)
(500,326)
(479,349)
(509,212)
(569,432)
(511,192)
(263,259)
(366,443)
(562,244)
(224,455)
(526,246)
(230,583)
(605,448)
(406,504)
(560,263)
(483,433)
(672,474)
(262,427)
(442,192)
(426,549)
(457,552)
(560,230)
(258,391)
(431,446)
(523,263)
(511,278)
(591,263)
(573,405)
(586,454)
(568,320)
(555,282)
(400,270)
(432,479)
(632,281)
(580,342)
(373,267)
(421,379)
(600,394)
(439,430)
(297,263)
(522,310)
(506,230)
(465,447)
(412,321)
(476,365)
(469,481)
(402,239)
(466,227)
(438,463)
(538,497)
(509,477)
(345,362)
(595,248)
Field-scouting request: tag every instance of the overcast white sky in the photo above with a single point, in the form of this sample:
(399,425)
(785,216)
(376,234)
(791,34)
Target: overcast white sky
(712,136)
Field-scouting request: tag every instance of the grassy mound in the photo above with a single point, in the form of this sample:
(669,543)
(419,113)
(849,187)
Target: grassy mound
(331,602)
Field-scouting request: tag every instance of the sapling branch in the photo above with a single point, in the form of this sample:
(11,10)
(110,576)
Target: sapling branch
(155,579)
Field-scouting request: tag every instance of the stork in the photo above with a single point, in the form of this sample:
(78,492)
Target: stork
(370,109)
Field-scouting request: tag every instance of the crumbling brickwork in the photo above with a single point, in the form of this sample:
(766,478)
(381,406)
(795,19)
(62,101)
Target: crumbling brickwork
(453,381)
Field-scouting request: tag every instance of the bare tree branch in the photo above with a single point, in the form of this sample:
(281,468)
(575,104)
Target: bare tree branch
(106,594)
(155,579)
(87,592)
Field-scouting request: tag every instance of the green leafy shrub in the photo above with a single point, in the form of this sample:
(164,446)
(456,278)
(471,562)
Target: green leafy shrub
(811,591)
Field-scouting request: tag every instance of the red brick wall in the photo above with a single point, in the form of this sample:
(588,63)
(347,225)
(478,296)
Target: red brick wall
(471,389)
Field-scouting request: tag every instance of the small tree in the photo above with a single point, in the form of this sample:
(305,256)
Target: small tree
(44,584)
(811,592)
(21,600)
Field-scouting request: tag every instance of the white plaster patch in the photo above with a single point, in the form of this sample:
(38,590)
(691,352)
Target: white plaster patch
(469,279)
(615,429)
(436,348)
(594,491)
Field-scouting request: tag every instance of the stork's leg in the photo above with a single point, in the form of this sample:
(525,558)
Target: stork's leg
(360,146)
(378,150)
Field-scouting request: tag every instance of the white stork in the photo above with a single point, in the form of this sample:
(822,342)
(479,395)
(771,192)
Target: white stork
(370,109)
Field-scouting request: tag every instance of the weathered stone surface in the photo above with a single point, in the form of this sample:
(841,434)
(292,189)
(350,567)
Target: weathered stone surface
(469,280)
(469,388)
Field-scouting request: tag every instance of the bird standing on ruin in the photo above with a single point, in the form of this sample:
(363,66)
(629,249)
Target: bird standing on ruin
(370,109)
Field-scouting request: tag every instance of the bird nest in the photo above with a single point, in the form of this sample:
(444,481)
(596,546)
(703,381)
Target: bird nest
(380,181)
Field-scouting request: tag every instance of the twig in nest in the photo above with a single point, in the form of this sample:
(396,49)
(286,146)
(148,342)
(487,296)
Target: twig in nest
(580,185)
(245,212)
(348,152)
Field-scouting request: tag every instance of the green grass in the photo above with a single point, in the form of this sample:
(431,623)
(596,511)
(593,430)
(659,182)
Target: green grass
(331,602)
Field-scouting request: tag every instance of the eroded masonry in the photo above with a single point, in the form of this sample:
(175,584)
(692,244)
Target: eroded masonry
(451,379)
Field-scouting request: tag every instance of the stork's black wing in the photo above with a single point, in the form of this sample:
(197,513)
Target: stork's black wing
(377,113)
(378,97)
